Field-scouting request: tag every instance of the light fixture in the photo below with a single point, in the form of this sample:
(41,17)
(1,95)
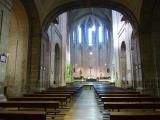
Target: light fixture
(91,53)
(41,67)
(94,28)
(3,57)
(8,54)
(44,68)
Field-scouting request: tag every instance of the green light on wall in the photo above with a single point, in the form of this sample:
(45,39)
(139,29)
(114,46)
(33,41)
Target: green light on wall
(68,73)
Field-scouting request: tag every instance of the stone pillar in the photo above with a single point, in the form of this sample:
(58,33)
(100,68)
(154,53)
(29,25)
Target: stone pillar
(136,60)
(34,45)
(149,46)
(148,70)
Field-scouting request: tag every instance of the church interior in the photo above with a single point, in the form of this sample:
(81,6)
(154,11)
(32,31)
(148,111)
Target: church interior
(79,60)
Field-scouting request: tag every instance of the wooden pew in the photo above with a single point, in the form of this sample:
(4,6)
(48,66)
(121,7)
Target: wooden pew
(113,90)
(30,104)
(130,99)
(69,96)
(117,92)
(22,115)
(131,105)
(48,95)
(122,95)
(60,99)
(73,90)
(67,88)
(135,116)
(55,92)
(60,90)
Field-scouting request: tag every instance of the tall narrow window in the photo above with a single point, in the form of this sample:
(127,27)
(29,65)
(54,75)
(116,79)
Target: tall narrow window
(80,34)
(107,36)
(100,34)
(90,36)
(73,35)
(93,28)
(50,31)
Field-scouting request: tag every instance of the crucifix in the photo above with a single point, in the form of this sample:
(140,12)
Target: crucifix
(90,71)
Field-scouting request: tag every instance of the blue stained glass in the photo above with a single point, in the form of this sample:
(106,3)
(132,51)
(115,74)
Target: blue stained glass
(80,35)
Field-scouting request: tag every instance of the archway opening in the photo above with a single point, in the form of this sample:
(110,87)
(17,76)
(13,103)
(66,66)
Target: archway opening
(123,64)
(95,34)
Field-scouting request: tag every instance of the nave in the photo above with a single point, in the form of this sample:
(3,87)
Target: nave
(46,46)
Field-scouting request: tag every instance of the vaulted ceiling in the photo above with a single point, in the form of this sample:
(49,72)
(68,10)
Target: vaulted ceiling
(77,15)
(46,7)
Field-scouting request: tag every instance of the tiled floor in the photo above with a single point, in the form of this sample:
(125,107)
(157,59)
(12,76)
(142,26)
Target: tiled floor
(85,107)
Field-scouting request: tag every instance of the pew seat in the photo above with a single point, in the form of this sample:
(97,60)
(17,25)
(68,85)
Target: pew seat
(135,116)
(130,99)
(55,92)
(117,92)
(122,95)
(60,99)
(131,105)
(48,95)
(22,115)
(30,104)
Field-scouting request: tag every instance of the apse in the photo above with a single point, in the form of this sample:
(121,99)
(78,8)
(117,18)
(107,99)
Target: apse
(90,32)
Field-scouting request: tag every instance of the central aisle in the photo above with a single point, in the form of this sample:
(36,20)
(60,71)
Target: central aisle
(85,107)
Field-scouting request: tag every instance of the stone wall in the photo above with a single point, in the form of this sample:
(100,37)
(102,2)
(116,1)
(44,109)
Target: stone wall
(16,72)
(5,11)
(124,57)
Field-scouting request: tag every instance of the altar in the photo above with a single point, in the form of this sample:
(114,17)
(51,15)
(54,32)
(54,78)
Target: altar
(91,80)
